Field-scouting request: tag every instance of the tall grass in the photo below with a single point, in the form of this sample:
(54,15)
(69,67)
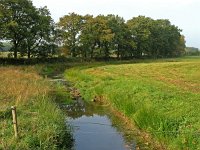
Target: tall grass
(41,122)
(161,98)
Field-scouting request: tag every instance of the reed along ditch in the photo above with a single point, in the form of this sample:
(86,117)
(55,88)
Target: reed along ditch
(96,126)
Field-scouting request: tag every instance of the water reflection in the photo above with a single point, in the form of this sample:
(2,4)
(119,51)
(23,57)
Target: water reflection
(95,128)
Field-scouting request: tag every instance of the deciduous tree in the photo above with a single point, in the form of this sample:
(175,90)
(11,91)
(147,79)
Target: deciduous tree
(71,26)
(16,15)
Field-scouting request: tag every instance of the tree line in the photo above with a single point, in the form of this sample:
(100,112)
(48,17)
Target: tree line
(29,29)
(33,33)
(192,51)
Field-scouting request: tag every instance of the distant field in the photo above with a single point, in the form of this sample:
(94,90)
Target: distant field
(3,54)
(162,97)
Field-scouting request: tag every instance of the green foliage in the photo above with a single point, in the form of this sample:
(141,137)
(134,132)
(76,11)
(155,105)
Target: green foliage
(121,42)
(96,37)
(71,26)
(106,36)
(140,33)
(34,34)
(156,38)
(1,25)
(40,38)
(162,98)
(28,28)
(16,21)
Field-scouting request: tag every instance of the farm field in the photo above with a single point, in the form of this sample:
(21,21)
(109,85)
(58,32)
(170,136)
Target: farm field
(161,97)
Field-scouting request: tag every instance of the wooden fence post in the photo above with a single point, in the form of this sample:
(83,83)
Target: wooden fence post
(14,115)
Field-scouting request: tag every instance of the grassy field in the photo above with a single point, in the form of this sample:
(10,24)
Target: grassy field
(4,54)
(161,97)
(41,122)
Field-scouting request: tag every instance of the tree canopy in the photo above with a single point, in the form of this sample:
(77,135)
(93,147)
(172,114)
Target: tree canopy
(33,33)
(27,27)
(110,36)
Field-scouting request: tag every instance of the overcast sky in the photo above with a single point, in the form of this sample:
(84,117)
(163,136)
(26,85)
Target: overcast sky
(182,13)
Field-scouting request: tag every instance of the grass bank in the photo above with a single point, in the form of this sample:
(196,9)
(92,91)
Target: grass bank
(161,97)
(41,122)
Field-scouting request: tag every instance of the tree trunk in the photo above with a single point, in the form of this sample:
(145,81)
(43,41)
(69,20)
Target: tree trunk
(118,53)
(85,54)
(15,54)
(92,51)
(15,49)
(29,53)
(106,51)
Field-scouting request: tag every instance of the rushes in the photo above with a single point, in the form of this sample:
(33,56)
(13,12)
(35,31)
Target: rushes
(41,122)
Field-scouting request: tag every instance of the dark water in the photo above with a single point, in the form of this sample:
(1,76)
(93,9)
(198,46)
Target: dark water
(94,128)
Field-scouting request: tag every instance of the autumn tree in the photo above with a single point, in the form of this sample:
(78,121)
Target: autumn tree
(181,46)
(95,37)
(88,37)
(71,26)
(140,32)
(106,36)
(120,40)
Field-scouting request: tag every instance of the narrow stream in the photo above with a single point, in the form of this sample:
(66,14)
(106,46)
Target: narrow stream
(95,127)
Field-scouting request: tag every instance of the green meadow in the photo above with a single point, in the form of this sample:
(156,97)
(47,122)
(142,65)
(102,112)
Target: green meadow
(161,97)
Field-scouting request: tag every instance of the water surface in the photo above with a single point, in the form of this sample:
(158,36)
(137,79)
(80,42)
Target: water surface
(94,128)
